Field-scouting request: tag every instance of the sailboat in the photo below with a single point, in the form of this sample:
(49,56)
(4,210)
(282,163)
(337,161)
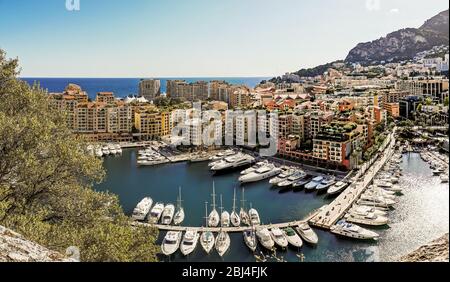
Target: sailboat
(245,219)
(254,216)
(179,216)
(223,239)
(214,217)
(235,219)
(224,215)
(207,239)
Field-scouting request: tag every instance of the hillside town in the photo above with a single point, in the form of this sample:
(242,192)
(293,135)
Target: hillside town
(336,119)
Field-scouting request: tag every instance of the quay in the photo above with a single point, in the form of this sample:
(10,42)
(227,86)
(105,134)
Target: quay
(332,213)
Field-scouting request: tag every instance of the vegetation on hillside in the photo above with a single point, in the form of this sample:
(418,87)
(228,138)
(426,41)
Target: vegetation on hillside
(46,181)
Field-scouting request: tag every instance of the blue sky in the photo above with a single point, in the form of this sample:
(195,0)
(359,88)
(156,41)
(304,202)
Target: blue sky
(186,38)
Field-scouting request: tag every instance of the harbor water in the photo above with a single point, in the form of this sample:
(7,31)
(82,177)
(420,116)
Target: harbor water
(421,215)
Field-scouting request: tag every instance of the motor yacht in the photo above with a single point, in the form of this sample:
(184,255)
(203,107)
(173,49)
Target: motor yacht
(297,176)
(189,243)
(307,233)
(155,213)
(279,237)
(265,238)
(223,155)
(346,229)
(142,209)
(254,168)
(167,215)
(261,173)
(337,188)
(171,242)
(233,162)
(326,183)
(368,209)
(300,184)
(292,237)
(282,176)
(314,183)
(366,218)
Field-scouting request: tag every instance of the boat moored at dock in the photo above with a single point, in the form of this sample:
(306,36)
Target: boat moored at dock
(307,234)
(142,209)
(349,230)
(171,242)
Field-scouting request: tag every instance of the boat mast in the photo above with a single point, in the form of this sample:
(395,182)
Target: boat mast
(221,211)
(234,200)
(206,214)
(179,199)
(243,199)
(214,197)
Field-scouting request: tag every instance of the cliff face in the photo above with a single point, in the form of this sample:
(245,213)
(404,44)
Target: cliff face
(403,44)
(15,248)
(436,251)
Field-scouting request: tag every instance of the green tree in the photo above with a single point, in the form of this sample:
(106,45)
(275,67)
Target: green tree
(46,181)
(446,101)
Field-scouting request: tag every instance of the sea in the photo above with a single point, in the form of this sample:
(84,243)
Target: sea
(123,87)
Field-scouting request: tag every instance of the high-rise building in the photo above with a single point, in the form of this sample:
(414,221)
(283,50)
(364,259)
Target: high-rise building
(150,89)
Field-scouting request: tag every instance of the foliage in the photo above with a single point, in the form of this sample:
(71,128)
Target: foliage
(46,181)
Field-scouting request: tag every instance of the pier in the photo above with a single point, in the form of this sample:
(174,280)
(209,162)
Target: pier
(330,215)
(230,229)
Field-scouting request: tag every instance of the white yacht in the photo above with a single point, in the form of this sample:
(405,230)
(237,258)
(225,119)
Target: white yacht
(179,215)
(346,229)
(118,149)
(207,239)
(282,176)
(262,173)
(366,218)
(307,233)
(233,162)
(222,243)
(314,183)
(254,168)
(279,237)
(223,155)
(105,151)
(265,238)
(368,209)
(254,217)
(326,183)
(112,149)
(167,215)
(214,217)
(243,215)
(376,200)
(293,237)
(337,188)
(142,209)
(189,243)
(224,215)
(444,178)
(234,218)
(155,213)
(292,179)
(171,242)
(250,239)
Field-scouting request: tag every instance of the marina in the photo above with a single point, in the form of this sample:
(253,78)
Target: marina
(269,219)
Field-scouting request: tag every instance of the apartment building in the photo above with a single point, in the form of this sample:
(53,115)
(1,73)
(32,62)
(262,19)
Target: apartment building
(393,109)
(434,87)
(240,97)
(150,89)
(336,142)
(105,97)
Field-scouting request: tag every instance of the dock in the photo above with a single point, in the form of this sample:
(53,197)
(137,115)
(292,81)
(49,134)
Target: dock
(330,215)
(227,229)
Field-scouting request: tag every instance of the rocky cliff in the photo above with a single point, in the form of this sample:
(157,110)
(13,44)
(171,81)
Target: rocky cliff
(15,248)
(403,44)
(436,251)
